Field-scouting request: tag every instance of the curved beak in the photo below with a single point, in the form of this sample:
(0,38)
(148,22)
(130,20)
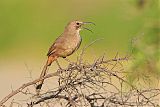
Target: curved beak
(88,23)
(83,23)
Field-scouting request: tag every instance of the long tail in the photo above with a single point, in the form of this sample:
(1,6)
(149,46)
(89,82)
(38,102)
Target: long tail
(43,73)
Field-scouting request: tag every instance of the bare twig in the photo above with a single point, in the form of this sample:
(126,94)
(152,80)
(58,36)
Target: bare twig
(24,86)
(101,83)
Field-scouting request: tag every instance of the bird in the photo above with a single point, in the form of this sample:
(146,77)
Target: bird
(65,45)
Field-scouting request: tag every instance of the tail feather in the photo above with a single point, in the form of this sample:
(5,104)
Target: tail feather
(44,71)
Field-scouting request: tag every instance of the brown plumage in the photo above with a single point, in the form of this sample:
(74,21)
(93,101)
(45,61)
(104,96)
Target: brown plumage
(66,44)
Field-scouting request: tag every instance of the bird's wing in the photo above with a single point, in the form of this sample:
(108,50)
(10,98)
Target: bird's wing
(57,45)
(51,50)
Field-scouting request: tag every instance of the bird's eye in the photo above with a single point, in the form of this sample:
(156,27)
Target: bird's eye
(77,23)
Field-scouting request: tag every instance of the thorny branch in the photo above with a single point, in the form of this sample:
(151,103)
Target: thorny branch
(101,83)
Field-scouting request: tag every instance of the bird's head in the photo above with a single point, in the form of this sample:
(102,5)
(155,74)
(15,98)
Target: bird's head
(77,25)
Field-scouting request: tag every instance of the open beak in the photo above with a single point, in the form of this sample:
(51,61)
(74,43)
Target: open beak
(88,23)
(87,28)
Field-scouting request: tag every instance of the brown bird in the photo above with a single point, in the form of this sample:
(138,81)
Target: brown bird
(66,44)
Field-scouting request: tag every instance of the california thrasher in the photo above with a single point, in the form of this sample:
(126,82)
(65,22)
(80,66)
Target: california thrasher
(66,44)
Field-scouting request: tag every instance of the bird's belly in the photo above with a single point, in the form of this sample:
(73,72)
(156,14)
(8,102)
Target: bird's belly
(70,47)
(66,53)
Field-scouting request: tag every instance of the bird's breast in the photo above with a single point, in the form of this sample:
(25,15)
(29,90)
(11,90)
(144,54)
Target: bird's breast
(70,45)
(75,41)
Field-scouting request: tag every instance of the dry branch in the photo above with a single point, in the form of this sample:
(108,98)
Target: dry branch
(99,84)
(25,86)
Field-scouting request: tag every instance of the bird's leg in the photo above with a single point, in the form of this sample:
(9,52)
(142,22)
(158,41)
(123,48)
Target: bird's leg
(71,63)
(58,65)
(67,60)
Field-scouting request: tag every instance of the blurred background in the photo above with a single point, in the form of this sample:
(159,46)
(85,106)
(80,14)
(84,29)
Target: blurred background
(28,28)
